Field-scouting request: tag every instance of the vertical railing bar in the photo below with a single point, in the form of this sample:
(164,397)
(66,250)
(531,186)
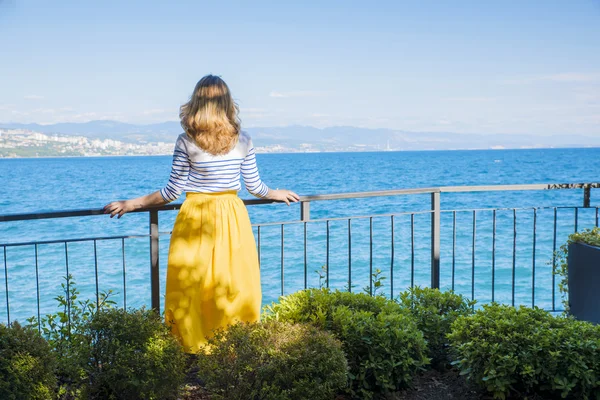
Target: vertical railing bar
(96,271)
(494,257)
(37,289)
(576,218)
(453,247)
(124,275)
(304,210)
(392,261)
(305,259)
(533,262)
(596,216)
(349,255)
(258,240)
(587,191)
(68,289)
(412,250)
(514,260)
(371,256)
(327,255)
(6,287)
(282,260)
(473,256)
(154,261)
(554,264)
(435,240)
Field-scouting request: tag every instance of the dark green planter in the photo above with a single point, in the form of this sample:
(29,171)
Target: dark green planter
(584,282)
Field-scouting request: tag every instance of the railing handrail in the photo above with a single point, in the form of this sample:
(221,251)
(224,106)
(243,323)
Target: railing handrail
(434,210)
(323,197)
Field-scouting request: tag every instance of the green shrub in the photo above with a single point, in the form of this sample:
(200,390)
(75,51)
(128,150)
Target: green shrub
(528,351)
(435,311)
(273,361)
(561,265)
(26,364)
(382,343)
(64,332)
(132,355)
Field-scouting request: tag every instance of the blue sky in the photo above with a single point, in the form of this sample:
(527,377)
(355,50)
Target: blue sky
(462,66)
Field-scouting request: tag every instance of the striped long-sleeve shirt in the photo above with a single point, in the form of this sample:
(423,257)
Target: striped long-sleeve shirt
(195,170)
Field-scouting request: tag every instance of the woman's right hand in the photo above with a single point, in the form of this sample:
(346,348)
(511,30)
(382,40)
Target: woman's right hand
(286,196)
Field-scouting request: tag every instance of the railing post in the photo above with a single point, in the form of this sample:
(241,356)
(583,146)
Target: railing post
(586,196)
(435,240)
(304,210)
(154,273)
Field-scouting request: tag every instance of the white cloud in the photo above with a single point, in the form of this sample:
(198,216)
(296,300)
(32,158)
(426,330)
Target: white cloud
(564,77)
(301,93)
(471,99)
(44,111)
(33,97)
(573,77)
(155,111)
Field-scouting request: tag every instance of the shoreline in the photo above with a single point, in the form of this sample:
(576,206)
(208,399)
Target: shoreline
(321,152)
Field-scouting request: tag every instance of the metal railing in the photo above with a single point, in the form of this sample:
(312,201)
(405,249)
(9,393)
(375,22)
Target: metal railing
(435,215)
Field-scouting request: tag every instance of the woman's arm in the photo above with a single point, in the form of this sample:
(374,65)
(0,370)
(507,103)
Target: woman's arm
(121,207)
(255,185)
(180,169)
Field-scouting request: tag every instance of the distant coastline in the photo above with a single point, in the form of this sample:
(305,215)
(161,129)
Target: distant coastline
(310,152)
(111,138)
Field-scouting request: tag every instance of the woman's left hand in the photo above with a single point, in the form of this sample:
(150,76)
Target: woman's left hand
(283,195)
(118,208)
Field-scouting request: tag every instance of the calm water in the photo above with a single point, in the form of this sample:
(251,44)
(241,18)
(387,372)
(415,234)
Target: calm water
(33,185)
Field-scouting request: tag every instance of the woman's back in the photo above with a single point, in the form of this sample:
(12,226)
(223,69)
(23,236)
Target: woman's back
(195,170)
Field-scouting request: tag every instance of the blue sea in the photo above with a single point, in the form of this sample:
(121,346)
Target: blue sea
(53,184)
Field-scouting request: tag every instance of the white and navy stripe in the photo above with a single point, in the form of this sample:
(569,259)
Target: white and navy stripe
(194,170)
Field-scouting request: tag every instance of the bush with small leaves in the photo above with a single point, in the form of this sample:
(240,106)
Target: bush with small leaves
(132,355)
(525,351)
(435,311)
(64,332)
(382,343)
(26,364)
(273,361)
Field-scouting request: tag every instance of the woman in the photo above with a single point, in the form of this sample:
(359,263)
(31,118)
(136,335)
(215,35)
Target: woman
(213,277)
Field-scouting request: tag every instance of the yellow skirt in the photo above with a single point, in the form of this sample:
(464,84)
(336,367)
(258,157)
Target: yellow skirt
(213,277)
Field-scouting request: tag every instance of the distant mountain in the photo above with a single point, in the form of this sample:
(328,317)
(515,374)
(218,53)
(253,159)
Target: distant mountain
(130,133)
(406,140)
(333,138)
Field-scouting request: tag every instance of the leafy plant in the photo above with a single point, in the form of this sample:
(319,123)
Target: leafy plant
(26,364)
(322,272)
(272,361)
(64,332)
(132,355)
(527,351)
(376,283)
(382,343)
(435,311)
(561,266)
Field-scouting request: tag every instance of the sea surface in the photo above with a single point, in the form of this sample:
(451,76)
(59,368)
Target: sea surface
(474,261)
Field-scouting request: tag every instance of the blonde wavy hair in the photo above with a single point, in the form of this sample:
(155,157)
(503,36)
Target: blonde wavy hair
(210,118)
